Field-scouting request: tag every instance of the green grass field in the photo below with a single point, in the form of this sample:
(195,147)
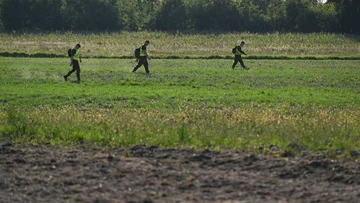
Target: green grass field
(183,103)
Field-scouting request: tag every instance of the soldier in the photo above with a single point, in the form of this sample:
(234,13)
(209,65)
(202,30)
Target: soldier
(75,58)
(238,58)
(144,56)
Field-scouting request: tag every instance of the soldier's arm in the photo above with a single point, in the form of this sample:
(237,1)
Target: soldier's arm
(241,51)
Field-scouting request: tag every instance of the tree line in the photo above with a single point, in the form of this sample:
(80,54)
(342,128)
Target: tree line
(339,16)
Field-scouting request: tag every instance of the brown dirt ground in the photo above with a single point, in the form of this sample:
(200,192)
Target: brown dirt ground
(44,173)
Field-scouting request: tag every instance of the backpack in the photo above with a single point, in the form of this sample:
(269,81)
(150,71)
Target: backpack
(69,52)
(234,50)
(137,53)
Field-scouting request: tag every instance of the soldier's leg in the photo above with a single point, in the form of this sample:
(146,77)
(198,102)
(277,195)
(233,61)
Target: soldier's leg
(235,62)
(146,65)
(242,63)
(69,73)
(140,63)
(78,74)
(76,66)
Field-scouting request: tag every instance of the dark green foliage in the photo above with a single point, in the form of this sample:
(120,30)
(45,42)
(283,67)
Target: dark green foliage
(15,14)
(50,15)
(174,15)
(350,15)
(180,15)
(98,15)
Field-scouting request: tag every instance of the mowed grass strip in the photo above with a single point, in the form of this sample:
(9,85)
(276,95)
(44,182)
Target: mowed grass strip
(183,103)
(165,44)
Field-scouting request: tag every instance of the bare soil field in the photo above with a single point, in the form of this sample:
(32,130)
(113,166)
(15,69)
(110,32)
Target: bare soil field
(45,173)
